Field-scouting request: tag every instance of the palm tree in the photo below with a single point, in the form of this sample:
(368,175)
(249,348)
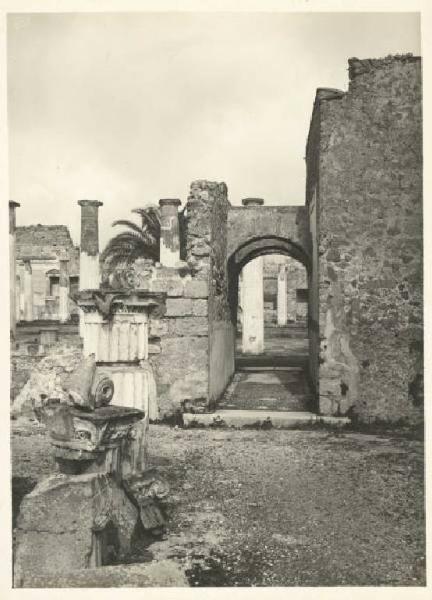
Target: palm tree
(138,242)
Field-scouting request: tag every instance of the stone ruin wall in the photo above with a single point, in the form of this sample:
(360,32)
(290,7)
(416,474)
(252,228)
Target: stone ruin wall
(190,336)
(221,329)
(178,341)
(191,348)
(365,179)
(207,221)
(45,244)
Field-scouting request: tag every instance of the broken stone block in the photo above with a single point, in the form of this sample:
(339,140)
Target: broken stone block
(80,382)
(99,441)
(72,522)
(89,388)
(148,489)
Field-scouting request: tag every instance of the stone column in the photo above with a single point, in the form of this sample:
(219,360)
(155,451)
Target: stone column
(12,265)
(253,307)
(89,249)
(170,236)
(253,298)
(28,291)
(64,291)
(282,296)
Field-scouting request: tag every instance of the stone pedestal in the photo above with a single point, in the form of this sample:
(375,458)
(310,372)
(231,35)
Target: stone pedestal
(115,329)
(81,517)
(87,515)
(282,314)
(253,307)
(98,441)
(169,237)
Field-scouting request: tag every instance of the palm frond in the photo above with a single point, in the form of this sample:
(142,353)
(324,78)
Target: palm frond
(137,242)
(126,223)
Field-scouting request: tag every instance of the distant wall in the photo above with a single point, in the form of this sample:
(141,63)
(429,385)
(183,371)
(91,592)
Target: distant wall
(296,280)
(364,162)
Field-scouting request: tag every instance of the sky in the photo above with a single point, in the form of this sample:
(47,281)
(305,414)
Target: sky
(129,108)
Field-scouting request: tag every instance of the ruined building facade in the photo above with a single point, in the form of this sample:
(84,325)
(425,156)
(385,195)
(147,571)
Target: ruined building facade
(358,239)
(39,252)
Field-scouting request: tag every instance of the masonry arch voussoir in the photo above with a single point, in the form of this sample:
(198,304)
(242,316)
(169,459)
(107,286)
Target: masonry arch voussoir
(269,244)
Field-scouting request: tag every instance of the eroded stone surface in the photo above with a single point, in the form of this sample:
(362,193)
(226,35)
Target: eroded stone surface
(58,519)
(364,191)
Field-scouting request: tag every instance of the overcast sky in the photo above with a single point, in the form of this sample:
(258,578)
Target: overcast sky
(130,108)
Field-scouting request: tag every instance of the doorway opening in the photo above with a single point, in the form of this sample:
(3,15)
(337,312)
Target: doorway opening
(269,297)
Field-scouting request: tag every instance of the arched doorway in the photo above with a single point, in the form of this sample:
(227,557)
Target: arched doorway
(269,294)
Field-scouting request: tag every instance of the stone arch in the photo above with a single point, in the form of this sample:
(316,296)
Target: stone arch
(269,244)
(286,226)
(252,248)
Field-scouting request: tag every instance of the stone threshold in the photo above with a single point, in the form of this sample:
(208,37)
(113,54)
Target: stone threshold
(279,419)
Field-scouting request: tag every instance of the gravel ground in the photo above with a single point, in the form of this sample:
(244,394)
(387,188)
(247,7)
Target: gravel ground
(277,508)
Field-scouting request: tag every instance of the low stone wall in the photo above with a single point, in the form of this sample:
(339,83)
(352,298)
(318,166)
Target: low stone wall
(178,341)
(177,336)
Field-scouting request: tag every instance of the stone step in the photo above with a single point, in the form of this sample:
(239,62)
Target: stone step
(281,390)
(269,361)
(244,418)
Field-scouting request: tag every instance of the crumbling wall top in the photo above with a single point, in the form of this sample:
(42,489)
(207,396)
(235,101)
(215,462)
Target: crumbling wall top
(359,66)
